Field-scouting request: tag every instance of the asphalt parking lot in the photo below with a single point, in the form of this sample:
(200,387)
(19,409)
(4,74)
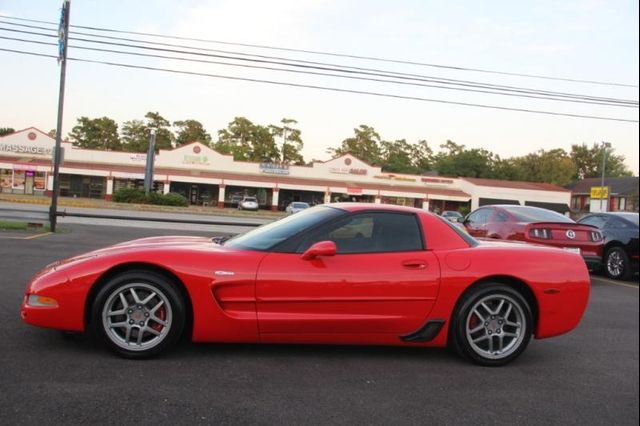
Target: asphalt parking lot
(589,376)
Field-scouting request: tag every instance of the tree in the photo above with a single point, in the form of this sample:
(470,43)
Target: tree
(397,157)
(4,131)
(96,133)
(191,131)
(247,141)
(553,166)
(588,162)
(52,133)
(291,141)
(135,136)
(135,133)
(422,156)
(457,161)
(363,145)
(164,137)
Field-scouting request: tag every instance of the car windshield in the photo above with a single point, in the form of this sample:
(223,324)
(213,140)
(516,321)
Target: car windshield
(267,236)
(250,199)
(535,214)
(299,205)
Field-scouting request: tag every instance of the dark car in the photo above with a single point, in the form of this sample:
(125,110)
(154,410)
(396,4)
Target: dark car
(536,225)
(620,232)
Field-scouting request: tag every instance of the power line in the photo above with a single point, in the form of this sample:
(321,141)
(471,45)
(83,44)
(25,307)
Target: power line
(326,88)
(547,95)
(336,67)
(625,105)
(342,55)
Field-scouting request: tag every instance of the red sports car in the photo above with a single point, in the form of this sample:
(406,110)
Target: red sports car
(339,273)
(539,226)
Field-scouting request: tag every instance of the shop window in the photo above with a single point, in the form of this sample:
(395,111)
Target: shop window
(6,180)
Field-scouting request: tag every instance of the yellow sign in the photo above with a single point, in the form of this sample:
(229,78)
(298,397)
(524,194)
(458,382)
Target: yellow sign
(599,192)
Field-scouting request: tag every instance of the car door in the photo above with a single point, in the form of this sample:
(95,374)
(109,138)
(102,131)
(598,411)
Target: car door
(380,281)
(476,222)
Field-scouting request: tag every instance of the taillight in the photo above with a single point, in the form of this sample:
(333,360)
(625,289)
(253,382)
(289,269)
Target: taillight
(540,233)
(595,235)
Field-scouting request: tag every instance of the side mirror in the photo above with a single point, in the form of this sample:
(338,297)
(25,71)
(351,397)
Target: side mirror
(321,248)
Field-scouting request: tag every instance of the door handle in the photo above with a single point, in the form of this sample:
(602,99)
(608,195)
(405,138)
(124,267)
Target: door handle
(414,264)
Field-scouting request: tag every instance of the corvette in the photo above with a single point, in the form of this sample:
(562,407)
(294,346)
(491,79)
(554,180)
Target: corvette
(342,273)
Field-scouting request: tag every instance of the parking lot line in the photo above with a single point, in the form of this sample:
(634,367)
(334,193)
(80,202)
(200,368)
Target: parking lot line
(30,237)
(608,281)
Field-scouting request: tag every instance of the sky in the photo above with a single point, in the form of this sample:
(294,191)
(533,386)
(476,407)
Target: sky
(585,40)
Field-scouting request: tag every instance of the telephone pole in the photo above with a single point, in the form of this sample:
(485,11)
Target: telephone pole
(63,37)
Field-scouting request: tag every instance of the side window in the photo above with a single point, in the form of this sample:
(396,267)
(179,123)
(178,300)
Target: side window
(479,217)
(501,216)
(369,233)
(597,221)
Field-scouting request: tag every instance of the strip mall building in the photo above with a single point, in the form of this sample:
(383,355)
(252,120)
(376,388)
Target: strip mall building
(207,177)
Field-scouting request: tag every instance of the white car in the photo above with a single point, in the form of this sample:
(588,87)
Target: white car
(452,215)
(296,206)
(248,203)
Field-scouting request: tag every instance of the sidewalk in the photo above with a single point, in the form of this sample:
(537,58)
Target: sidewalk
(102,204)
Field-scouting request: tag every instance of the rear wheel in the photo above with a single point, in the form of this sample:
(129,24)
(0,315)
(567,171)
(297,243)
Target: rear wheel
(616,264)
(139,314)
(492,326)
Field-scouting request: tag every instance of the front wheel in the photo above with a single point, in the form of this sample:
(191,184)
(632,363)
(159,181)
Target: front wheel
(492,326)
(139,314)
(616,264)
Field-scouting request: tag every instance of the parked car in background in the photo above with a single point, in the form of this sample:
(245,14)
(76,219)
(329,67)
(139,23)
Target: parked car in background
(536,225)
(248,203)
(452,215)
(296,207)
(235,200)
(620,232)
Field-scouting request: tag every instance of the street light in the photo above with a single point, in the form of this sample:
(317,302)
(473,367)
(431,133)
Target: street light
(605,145)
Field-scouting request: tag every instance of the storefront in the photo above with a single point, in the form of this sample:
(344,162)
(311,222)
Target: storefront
(208,178)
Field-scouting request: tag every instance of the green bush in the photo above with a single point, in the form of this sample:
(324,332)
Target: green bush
(138,196)
(173,199)
(130,195)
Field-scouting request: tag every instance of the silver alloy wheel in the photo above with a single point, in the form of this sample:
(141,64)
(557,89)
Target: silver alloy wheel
(137,316)
(495,326)
(615,263)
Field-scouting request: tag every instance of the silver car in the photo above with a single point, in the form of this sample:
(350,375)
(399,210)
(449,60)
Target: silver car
(296,206)
(248,203)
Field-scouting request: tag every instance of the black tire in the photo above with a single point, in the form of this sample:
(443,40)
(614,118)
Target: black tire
(616,264)
(505,321)
(139,314)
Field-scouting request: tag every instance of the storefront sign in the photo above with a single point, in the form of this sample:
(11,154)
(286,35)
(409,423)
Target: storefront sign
(394,177)
(274,168)
(348,171)
(29,167)
(435,180)
(138,157)
(25,149)
(200,160)
(599,192)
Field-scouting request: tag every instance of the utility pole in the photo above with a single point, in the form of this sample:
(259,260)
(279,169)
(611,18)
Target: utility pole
(151,155)
(63,37)
(605,145)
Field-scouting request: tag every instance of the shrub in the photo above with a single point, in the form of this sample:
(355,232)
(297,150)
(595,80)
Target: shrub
(138,196)
(173,199)
(130,195)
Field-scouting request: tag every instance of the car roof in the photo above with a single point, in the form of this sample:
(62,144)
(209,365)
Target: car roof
(354,207)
